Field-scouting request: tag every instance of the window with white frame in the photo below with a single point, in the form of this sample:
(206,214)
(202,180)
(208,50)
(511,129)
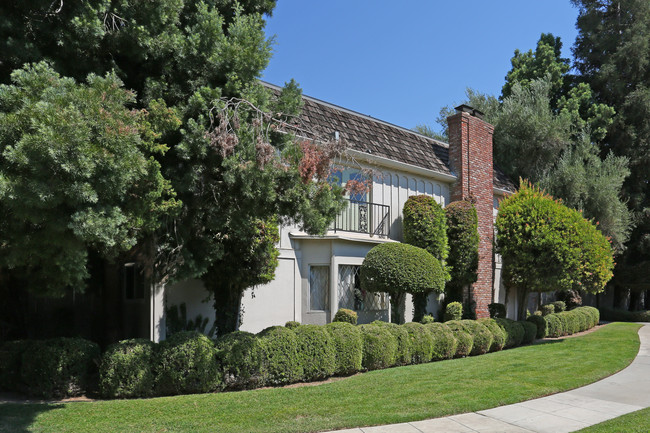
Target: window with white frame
(351,296)
(319,287)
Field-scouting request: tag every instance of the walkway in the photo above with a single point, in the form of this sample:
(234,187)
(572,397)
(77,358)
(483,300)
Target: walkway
(621,393)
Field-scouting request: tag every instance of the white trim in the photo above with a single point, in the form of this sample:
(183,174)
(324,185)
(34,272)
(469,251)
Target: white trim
(341,237)
(397,165)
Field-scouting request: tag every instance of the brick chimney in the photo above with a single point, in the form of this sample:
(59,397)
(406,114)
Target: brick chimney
(470,156)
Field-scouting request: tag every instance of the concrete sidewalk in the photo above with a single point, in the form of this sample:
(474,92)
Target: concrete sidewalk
(624,392)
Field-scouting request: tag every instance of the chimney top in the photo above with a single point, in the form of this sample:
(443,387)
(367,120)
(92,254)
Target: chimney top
(471,110)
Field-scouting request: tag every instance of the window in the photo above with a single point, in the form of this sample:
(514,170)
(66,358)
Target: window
(352,297)
(319,288)
(132,280)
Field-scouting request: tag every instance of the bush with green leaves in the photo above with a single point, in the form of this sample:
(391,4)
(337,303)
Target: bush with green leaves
(530,331)
(421,342)
(514,332)
(59,367)
(187,364)
(241,359)
(292,324)
(453,311)
(316,352)
(497,310)
(570,323)
(427,318)
(379,347)
(398,269)
(462,235)
(481,336)
(594,315)
(539,323)
(444,343)
(126,369)
(571,298)
(619,315)
(348,346)
(281,359)
(554,326)
(464,338)
(498,334)
(11,355)
(345,315)
(547,309)
(403,352)
(559,306)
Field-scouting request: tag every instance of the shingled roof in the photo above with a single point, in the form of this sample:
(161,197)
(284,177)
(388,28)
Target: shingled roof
(376,137)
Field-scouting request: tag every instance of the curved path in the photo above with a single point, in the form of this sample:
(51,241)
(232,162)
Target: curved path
(624,392)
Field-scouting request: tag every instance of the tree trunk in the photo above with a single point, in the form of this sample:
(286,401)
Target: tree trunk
(419,306)
(522,299)
(396,302)
(227,306)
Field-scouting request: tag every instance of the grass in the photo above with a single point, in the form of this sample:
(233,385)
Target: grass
(379,397)
(635,422)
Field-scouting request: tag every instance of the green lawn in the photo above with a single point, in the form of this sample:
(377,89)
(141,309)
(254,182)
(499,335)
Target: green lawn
(379,397)
(635,422)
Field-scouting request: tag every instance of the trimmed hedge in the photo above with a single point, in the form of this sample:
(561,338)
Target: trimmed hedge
(616,315)
(464,338)
(379,347)
(481,336)
(421,343)
(572,321)
(453,311)
(11,359)
(530,331)
(292,324)
(59,367)
(498,334)
(187,364)
(514,332)
(345,315)
(443,341)
(403,352)
(539,323)
(316,352)
(427,318)
(241,358)
(126,370)
(280,351)
(554,326)
(348,347)
(559,306)
(547,309)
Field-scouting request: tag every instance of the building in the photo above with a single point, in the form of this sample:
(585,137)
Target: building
(317,275)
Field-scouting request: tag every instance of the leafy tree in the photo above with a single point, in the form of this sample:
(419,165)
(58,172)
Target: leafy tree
(397,269)
(547,246)
(611,53)
(77,174)
(462,234)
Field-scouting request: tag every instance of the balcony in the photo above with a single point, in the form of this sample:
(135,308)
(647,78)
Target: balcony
(363,217)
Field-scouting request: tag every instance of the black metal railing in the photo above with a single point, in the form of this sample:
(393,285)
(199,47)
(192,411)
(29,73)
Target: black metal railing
(363,217)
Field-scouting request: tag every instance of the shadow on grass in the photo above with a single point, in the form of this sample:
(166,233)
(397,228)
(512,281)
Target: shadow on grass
(18,417)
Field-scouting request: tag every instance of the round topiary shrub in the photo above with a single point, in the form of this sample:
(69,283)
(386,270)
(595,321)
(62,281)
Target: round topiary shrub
(547,309)
(481,336)
(582,319)
(187,364)
(514,332)
(126,369)
(539,323)
(464,338)
(241,358)
(281,360)
(316,352)
(292,324)
(530,331)
(379,347)
(570,322)
(554,327)
(559,306)
(593,313)
(427,318)
(453,311)
(571,298)
(11,355)
(345,315)
(403,352)
(59,367)
(498,335)
(348,347)
(497,310)
(443,341)
(421,342)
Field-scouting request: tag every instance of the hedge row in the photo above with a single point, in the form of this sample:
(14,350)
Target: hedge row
(565,322)
(615,315)
(189,362)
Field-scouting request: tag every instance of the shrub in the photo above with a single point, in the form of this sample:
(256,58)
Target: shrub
(421,342)
(570,323)
(571,298)
(497,310)
(464,338)
(187,364)
(241,359)
(481,336)
(547,309)
(425,225)
(453,311)
(426,319)
(292,324)
(345,315)
(540,324)
(559,306)
(624,315)
(498,334)
(126,370)
(379,347)
(316,352)
(348,347)
(554,326)
(594,315)
(11,355)
(530,331)
(280,350)
(514,332)
(582,318)
(443,341)
(462,234)
(403,352)
(59,367)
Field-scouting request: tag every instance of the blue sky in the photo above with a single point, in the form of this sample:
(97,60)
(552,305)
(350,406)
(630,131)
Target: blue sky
(402,61)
